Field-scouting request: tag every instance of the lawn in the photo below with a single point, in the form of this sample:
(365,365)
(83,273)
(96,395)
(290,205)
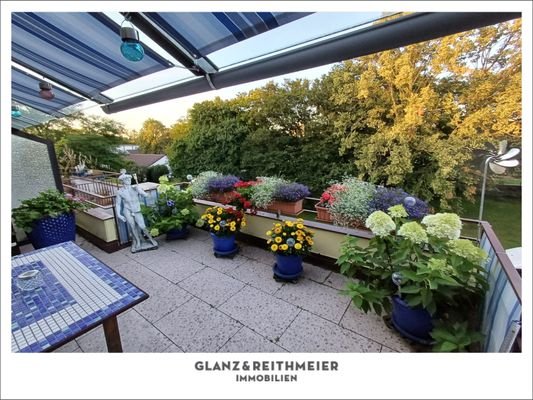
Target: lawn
(505,216)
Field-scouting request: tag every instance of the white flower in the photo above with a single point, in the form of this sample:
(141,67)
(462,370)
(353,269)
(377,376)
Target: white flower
(443,225)
(380,223)
(398,211)
(414,232)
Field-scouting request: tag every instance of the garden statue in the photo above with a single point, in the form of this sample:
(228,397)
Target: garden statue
(128,209)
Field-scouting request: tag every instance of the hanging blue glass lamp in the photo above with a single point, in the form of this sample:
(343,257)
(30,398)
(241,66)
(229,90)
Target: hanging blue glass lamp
(15,112)
(131,48)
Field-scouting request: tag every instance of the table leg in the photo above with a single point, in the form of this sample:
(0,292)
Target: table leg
(112,335)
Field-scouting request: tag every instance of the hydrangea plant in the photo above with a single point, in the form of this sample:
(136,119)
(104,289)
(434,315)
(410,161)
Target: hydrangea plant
(438,271)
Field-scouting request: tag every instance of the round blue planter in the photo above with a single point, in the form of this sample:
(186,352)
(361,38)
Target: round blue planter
(288,267)
(53,230)
(223,244)
(175,234)
(415,323)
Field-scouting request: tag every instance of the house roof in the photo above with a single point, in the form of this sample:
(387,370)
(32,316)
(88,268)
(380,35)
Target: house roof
(144,160)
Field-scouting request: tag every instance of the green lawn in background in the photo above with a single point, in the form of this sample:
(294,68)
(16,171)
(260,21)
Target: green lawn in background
(505,216)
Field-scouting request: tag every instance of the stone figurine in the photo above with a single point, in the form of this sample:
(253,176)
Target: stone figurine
(128,209)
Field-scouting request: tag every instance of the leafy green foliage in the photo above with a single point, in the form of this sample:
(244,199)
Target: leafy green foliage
(154,137)
(174,209)
(154,172)
(49,203)
(434,274)
(456,338)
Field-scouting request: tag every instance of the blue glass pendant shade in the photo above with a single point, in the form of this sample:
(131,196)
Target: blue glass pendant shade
(15,112)
(132,50)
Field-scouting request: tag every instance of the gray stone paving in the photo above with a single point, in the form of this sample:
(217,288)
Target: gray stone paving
(200,303)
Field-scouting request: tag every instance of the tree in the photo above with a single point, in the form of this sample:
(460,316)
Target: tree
(413,117)
(154,137)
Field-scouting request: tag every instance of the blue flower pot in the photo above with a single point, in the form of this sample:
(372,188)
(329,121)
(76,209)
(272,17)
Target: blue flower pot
(223,244)
(288,267)
(175,233)
(53,230)
(413,322)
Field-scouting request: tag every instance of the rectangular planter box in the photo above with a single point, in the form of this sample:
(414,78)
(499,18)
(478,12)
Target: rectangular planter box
(287,207)
(220,197)
(322,214)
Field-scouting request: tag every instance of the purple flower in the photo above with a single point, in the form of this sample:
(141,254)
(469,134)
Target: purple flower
(291,192)
(170,203)
(388,197)
(222,183)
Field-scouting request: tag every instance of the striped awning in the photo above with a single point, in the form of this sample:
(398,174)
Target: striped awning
(25,90)
(81,50)
(203,33)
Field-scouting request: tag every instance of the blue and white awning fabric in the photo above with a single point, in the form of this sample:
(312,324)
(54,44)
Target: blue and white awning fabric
(204,33)
(79,53)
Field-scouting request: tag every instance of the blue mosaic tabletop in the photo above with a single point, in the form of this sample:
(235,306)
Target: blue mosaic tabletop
(79,292)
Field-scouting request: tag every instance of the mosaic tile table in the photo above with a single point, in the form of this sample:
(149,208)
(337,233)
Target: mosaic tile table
(79,293)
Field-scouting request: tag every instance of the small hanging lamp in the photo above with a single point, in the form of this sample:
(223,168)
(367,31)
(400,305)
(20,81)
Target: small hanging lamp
(131,48)
(46,90)
(15,112)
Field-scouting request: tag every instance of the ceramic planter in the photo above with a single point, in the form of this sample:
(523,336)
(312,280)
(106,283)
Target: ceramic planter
(224,246)
(53,230)
(322,214)
(286,207)
(288,267)
(414,323)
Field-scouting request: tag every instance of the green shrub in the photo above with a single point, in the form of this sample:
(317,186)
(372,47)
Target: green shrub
(199,186)
(154,172)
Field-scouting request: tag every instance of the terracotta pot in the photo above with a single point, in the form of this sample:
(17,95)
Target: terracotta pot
(322,214)
(221,197)
(287,207)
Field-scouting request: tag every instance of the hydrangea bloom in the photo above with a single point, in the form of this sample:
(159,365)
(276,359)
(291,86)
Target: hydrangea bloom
(443,225)
(398,211)
(465,248)
(380,223)
(414,232)
(441,265)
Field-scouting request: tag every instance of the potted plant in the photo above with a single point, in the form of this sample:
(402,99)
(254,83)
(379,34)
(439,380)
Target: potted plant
(241,197)
(173,212)
(385,197)
(48,218)
(288,198)
(223,224)
(433,280)
(289,241)
(221,187)
(352,205)
(327,199)
(263,191)
(200,185)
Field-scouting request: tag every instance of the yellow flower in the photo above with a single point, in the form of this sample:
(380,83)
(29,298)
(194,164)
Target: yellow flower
(217,228)
(297,246)
(277,230)
(219,219)
(300,238)
(211,225)
(269,233)
(310,242)
(274,247)
(232,228)
(300,232)
(219,211)
(278,240)
(278,225)
(232,223)
(284,234)
(293,233)
(243,223)
(284,247)
(299,226)
(289,224)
